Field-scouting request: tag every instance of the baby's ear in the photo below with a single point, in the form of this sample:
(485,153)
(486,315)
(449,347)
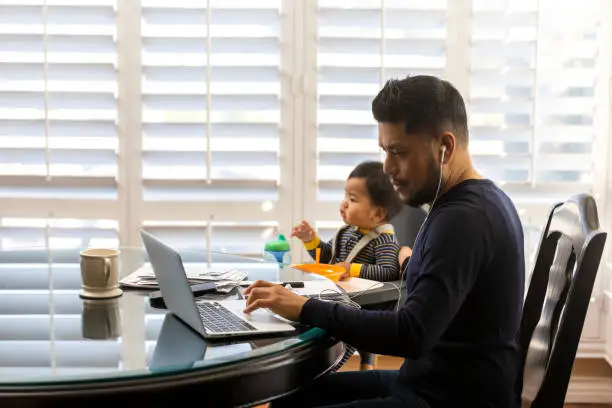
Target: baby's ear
(381,213)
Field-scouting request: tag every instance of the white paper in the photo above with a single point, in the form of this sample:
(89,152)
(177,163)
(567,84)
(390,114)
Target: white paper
(144,277)
(193,271)
(357,285)
(323,287)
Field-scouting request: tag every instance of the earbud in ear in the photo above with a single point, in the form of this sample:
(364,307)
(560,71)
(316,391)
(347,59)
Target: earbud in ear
(442,151)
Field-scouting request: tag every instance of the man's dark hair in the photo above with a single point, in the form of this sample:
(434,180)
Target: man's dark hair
(425,104)
(379,187)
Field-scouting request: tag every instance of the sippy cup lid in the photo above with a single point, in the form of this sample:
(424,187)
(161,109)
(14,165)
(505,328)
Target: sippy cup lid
(279,244)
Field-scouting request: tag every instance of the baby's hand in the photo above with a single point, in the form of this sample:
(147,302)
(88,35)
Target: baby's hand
(304,232)
(404,253)
(347,270)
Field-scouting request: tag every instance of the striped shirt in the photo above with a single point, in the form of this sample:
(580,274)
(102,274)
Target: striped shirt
(376,261)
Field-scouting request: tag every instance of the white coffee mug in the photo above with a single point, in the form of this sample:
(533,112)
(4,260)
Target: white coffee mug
(100,273)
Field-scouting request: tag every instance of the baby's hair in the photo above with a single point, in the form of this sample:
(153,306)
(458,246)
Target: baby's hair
(379,187)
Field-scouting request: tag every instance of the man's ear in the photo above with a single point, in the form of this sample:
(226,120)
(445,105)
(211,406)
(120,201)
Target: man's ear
(448,143)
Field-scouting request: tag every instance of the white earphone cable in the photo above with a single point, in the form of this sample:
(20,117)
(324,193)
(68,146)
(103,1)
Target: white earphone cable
(350,302)
(399,299)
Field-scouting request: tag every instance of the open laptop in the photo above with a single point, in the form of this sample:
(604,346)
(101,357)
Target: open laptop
(211,319)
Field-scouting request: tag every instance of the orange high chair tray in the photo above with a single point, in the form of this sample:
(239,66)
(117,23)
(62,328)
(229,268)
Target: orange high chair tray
(332,272)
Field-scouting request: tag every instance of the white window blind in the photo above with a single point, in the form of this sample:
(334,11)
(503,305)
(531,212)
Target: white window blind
(211,94)
(243,238)
(58,113)
(361,44)
(218,97)
(57,233)
(58,169)
(533,82)
(533,100)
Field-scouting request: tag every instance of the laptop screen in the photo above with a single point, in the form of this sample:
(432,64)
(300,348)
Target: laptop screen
(173,284)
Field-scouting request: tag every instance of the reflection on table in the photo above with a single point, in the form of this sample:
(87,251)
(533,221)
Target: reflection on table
(48,333)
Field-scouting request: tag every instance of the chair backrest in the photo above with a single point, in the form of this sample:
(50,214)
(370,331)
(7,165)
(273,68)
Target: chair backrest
(407,224)
(557,300)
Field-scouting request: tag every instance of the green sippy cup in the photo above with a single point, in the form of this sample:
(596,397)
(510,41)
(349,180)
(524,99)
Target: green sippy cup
(278,250)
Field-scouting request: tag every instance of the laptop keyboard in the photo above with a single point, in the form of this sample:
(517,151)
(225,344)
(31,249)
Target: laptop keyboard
(218,319)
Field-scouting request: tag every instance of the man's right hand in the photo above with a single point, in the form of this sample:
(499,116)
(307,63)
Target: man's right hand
(278,299)
(304,232)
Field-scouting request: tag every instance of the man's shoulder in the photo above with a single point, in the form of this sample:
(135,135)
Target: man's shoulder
(488,196)
(459,219)
(459,212)
(481,200)
(484,212)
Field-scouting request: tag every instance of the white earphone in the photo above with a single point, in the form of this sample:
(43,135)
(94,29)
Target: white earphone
(442,152)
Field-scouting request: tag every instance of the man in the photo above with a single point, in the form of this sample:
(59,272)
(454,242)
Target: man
(458,323)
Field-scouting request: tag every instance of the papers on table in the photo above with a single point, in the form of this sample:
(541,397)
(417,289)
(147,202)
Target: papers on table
(315,287)
(228,278)
(144,277)
(326,288)
(356,285)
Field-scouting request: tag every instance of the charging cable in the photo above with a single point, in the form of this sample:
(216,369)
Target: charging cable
(351,296)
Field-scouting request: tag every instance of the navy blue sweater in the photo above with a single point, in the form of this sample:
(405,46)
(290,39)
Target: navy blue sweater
(457,327)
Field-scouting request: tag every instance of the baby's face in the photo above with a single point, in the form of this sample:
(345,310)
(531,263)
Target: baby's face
(357,208)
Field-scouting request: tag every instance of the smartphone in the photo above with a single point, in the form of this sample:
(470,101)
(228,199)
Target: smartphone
(156,299)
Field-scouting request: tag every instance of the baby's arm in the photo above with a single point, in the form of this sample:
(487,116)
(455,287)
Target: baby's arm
(387,267)
(326,249)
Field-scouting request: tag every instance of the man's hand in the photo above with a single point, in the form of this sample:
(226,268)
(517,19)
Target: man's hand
(347,270)
(278,299)
(404,253)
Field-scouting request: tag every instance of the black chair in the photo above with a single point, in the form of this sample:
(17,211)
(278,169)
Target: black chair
(407,224)
(557,300)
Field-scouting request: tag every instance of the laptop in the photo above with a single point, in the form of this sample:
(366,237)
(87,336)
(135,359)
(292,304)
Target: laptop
(209,318)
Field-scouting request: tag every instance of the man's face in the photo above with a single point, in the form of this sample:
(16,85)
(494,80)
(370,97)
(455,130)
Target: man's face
(410,162)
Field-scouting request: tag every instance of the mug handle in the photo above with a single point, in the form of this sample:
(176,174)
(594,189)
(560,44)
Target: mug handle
(107,269)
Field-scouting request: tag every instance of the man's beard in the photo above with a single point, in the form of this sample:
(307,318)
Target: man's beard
(427,193)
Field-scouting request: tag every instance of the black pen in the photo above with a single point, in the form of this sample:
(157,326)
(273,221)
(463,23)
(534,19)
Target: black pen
(293,284)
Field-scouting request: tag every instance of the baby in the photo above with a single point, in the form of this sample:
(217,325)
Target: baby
(366,246)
